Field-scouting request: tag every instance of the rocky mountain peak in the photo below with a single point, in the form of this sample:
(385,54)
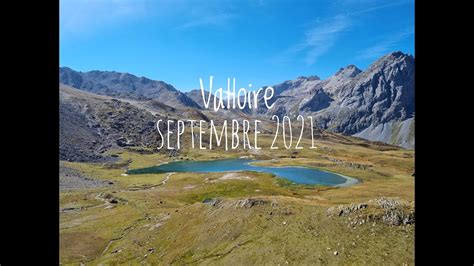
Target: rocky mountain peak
(398,54)
(393,59)
(349,71)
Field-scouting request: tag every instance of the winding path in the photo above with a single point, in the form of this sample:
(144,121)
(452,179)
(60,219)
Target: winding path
(106,202)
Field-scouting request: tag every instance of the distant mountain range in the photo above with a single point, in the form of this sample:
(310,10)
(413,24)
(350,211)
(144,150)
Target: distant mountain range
(376,104)
(124,85)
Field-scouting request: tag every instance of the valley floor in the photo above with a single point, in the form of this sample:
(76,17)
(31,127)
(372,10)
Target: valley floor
(245,218)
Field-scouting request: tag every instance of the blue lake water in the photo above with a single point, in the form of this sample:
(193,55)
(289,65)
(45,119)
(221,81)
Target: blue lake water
(299,175)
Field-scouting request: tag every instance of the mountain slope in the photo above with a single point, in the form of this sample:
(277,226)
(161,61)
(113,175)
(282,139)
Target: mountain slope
(124,85)
(91,124)
(196,96)
(397,133)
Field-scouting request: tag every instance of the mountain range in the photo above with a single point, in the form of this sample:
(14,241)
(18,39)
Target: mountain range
(102,109)
(124,85)
(376,104)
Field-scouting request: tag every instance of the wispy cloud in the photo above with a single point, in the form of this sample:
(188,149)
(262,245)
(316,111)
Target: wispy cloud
(210,13)
(317,40)
(213,20)
(357,7)
(85,16)
(321,37)
(385,45)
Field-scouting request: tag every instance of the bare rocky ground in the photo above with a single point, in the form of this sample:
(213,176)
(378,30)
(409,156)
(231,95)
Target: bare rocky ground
(92,124)
(389,211)
(73,179)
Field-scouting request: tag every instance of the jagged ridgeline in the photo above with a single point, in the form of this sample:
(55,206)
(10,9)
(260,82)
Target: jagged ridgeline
(100,110)
(376,104)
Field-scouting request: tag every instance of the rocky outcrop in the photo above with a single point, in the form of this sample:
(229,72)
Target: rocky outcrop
(212,202)
(242,203)
(389,211)
(249,202)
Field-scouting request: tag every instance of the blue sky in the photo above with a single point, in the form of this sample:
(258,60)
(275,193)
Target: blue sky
(261,42)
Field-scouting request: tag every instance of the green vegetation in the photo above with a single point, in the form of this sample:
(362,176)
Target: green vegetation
(161,218)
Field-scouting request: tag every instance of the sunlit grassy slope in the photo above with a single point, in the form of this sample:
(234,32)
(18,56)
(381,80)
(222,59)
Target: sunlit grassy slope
(161,218)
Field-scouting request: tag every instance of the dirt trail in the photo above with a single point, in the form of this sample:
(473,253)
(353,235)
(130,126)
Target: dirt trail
(167,178)
(106,201)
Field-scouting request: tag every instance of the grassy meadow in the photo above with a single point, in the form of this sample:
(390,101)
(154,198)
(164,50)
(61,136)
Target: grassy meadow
(256,218)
